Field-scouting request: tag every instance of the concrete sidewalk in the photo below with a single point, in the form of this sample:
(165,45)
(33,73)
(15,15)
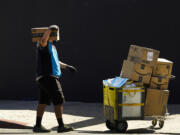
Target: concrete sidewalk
(86,118)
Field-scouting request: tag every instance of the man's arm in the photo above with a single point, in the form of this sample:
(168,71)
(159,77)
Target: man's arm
(44,39)
(68,67)
(62,65)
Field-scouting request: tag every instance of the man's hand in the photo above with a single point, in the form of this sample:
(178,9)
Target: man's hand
(71,68)
(53,27)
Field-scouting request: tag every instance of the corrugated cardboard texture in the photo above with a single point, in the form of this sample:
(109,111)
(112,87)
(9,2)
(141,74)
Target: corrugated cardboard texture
(37,34)
(143,54)
(156,102)
(163,67)
(159,83)
(136,71)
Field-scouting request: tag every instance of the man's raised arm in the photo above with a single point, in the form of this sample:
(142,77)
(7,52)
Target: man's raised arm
(45,38)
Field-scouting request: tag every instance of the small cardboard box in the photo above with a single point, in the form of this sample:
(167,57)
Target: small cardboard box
(163,67)
(142,54)
(159,83)
(37,34)
(136,71)
(156,102)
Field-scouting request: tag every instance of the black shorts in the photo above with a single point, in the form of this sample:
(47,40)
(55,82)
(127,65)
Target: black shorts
(50,91)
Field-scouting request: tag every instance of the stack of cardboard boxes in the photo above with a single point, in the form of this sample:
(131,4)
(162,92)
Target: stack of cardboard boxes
(157,93)
(144,65)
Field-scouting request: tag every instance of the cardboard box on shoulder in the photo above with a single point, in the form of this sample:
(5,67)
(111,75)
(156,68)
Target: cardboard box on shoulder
(142,54)
(37,34)
(159,83)
(156,102)
(163,67)
(136,71)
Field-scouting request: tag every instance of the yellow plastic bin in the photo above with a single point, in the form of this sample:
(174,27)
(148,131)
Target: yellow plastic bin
(122,104)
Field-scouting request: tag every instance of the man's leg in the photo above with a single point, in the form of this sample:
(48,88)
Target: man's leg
(40,112)
(58,109)
(58,100)
(44,100)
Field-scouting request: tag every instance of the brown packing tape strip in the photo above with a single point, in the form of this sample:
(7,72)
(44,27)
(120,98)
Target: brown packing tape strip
(53,34)
(137,59)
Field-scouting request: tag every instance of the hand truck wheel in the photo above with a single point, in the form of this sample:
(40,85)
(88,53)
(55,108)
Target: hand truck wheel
(121,126)
(161,123)
(110,125)
(154,122)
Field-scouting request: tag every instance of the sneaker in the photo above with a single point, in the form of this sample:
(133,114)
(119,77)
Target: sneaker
(64,129)
(40,129)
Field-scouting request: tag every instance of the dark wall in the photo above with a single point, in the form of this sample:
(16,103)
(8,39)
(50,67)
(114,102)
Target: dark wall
(95,37)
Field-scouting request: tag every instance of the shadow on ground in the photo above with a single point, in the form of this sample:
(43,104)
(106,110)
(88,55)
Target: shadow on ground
(94,111)
(13,124)
(131,131)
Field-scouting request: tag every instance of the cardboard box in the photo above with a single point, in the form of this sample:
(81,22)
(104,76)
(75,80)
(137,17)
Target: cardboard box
(156,102)
(142,54)
(136,71)
(159,83)
(163,67)
(37,34)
